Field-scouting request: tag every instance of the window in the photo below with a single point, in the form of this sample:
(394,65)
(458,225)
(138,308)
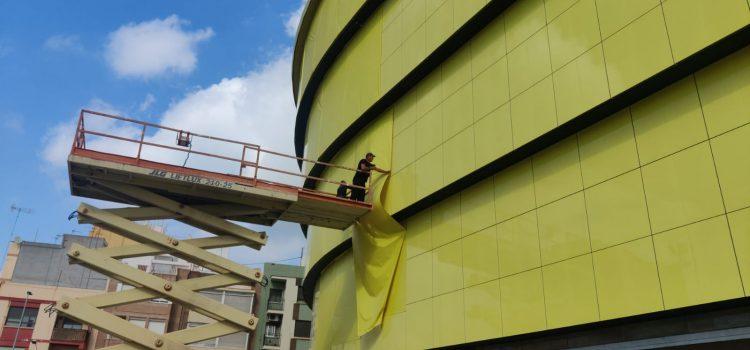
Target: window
(15,319)
(156,326)
(302,329)
(235,340)
(165,258)
(163,269)
(121,287)
(241,301)
(209,343)
(140,322)
(70,324)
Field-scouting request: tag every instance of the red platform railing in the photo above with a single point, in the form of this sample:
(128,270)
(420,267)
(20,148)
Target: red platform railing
(184,141)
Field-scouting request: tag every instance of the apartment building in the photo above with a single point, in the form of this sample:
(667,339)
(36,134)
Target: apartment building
(34,276)
(284,318)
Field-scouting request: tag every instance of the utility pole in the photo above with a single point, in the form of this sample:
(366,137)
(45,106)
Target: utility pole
(23,311)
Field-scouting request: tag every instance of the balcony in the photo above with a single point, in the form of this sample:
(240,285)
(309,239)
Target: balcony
(69,335)
(271,341)
(277,305)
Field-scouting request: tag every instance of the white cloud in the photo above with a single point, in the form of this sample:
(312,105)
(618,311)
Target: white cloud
(256,107)
(155,47)
(292,21)
(63,43)
(147,102)
(13,123)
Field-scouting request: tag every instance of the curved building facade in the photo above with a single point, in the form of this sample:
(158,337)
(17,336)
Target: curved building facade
(570,173)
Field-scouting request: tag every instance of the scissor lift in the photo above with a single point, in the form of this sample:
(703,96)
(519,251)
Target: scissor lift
(156,188)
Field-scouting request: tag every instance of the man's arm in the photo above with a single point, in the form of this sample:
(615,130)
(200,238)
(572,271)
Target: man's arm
(380,170)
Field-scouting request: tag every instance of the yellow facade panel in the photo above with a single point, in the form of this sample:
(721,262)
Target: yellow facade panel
(447,274)
(458,111)
(522,303)
(419,234)
(404,148)
(563,229)
(697,264)
(493,135)
(456,70)
(448,318)
(638,51)
(463,10)
(739,225)
(694,24)
(533,112)
(668,121)
(439,25)
(414,48)
(529,62)
(573,33)
(403,189)
(419,278)
(482,311)
(724,89)
(570,292)
(488,46)
(429,93)
(413,15)
(490,88)
(730,153)
(616,14)
(514,191)
(580,85)
(404,112)
(627,279)
(523,19)
(477,207)
(458,153)
(617,211)
(607,149)
(429,172)
(682,188)
(480,257)
(518,244)
(419,325)
(554,8)
(446,221)
(429,131)
(557,171)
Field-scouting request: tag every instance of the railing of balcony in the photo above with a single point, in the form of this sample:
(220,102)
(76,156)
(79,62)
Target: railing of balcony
(276,305)
(272,341)
(68,334)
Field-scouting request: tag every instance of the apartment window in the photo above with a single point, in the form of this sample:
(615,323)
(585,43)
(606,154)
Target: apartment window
(121,287)
(140,322)
(15,319)
(237,340)
(156,326)
(165,258)
(163,269)
(70,324)
(241,301)
(302,329)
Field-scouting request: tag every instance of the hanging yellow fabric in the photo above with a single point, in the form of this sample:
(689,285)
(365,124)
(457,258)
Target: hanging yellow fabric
(377,240)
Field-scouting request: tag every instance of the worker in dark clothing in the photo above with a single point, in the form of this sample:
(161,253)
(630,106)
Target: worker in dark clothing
(343,190)
(364,168)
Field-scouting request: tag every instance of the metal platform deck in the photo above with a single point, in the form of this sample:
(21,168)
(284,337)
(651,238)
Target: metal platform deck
(233,197)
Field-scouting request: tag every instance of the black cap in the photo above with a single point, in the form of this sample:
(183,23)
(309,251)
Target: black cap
(369,154)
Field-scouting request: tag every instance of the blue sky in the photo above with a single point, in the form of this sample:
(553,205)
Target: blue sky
(221,68)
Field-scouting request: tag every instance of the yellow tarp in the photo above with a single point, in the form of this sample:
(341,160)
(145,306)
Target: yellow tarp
(377,240)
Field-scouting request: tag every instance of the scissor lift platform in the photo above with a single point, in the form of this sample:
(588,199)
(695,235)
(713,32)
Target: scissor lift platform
(237,197)
(157,186)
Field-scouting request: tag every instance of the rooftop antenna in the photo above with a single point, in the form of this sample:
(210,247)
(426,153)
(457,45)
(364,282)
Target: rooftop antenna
(18,211)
